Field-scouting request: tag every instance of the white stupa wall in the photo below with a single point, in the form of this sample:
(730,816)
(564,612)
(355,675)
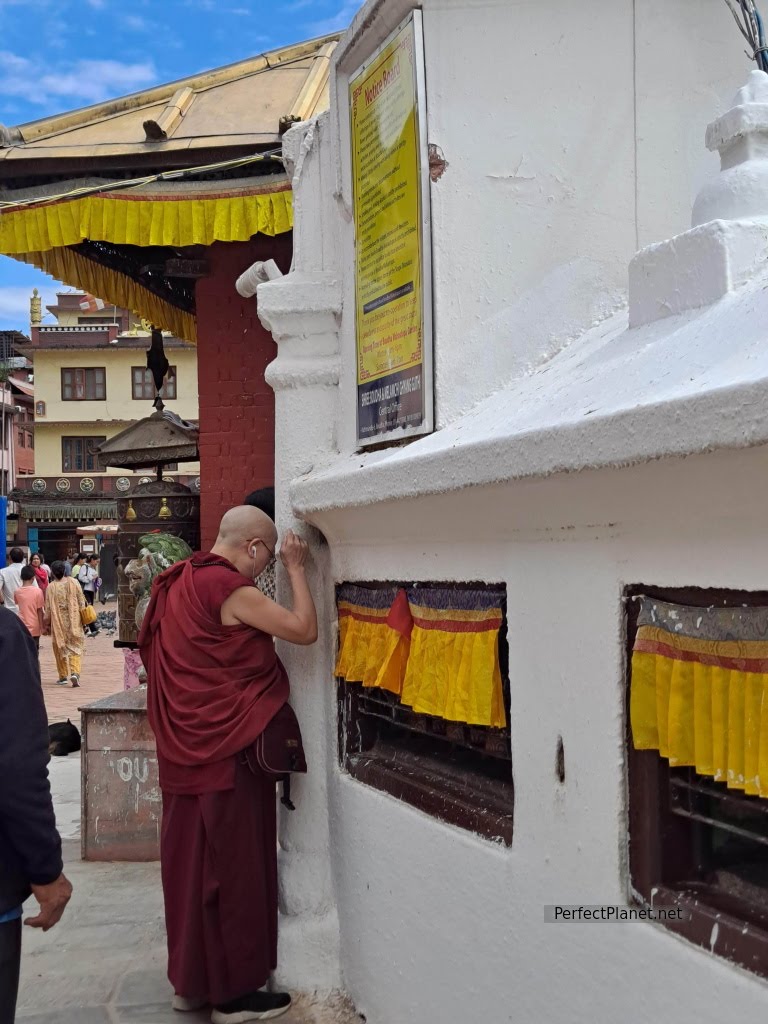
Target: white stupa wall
(573,136)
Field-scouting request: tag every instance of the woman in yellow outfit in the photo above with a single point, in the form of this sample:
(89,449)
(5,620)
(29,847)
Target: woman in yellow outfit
(63,601)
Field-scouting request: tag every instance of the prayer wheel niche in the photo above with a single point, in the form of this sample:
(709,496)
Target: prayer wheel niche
(158,524)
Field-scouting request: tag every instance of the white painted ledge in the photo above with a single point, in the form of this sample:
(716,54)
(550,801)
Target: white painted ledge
(683,385)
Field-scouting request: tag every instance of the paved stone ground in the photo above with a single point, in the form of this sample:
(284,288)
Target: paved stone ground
(105,962)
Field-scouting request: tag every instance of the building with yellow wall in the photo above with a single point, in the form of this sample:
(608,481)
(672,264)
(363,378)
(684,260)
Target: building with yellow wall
(91,382)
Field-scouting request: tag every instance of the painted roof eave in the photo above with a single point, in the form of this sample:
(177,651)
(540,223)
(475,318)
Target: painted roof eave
(148,152)
(46,126)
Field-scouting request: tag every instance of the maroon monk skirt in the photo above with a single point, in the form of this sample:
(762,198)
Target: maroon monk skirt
(219,870)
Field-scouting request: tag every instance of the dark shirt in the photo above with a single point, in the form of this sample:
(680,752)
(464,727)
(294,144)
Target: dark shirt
(30,847)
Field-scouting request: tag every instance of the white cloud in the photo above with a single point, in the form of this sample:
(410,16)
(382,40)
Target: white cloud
(337,22)
(14,298)
(81,81)
(135,22)
(14,305)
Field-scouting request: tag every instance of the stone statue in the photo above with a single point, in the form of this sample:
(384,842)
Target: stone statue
(157,551)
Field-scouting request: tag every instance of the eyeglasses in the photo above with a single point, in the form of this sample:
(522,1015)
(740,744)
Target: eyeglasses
(272,555)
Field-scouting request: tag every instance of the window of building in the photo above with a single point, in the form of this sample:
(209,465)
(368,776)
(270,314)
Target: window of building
(21,435)
(31,439)
(83,384)
(424,699)
(144,386)
(698,810)
(94,320)
(78,454)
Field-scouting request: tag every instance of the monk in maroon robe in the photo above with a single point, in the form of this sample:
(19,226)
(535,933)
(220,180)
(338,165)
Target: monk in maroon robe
(214,683)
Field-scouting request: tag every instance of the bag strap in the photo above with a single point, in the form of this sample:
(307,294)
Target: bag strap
(286,797)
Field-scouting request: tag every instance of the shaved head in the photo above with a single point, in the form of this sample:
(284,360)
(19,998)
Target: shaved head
(244,523)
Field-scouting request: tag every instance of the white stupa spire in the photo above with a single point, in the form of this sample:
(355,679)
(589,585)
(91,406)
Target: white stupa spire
(741,137)
(728,243)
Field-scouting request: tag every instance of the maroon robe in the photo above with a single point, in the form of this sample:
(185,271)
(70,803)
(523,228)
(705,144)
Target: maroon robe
(212,689)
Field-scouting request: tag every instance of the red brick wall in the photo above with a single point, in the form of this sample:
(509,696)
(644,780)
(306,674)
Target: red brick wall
(237,406)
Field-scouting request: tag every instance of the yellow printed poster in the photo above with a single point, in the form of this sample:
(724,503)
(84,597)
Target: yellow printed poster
(389,240)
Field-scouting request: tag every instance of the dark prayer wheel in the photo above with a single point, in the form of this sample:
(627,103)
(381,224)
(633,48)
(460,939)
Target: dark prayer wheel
(169,511)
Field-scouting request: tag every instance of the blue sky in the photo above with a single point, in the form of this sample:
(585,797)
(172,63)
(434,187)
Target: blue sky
(58,55)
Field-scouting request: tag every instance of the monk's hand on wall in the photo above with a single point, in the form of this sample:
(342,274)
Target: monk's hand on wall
(293,551)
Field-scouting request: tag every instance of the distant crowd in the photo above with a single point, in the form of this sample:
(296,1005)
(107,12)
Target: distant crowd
(56,600)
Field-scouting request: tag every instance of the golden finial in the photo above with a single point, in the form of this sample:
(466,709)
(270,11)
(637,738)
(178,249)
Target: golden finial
(165,512)
(35,309)
(130,512)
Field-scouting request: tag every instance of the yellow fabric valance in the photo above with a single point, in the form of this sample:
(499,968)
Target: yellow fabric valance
(146,218)
(435,647)
(372,651)
(41,233)
(78,271)
(699,690)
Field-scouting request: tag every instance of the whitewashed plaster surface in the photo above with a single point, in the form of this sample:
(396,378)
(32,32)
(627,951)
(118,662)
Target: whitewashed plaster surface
(569,132)
(437,925)
(573,134)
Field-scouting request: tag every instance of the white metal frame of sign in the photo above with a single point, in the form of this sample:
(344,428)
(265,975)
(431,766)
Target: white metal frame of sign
(393,389)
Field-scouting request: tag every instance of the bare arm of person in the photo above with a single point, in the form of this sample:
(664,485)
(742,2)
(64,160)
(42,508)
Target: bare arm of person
(249,607)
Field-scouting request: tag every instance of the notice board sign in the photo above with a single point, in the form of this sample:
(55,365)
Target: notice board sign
(393,251)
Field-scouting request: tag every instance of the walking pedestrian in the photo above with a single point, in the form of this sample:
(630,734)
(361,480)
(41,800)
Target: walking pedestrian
(10,580)
(215,685)
(31,604)
(77,564)
(64,600)
(90,582)
(41,574)
(30,847)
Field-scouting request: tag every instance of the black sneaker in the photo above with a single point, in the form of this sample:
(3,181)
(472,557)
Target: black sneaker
(257,1006)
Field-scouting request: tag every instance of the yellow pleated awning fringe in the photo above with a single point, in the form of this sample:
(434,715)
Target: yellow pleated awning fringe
(141,218)
(78,271)
(40,234)
(699,691)
(436,648)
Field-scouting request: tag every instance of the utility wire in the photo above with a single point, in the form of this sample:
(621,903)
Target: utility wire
(750,24)
(127,183)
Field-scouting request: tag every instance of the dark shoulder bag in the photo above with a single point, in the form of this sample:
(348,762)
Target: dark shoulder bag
(279,752)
